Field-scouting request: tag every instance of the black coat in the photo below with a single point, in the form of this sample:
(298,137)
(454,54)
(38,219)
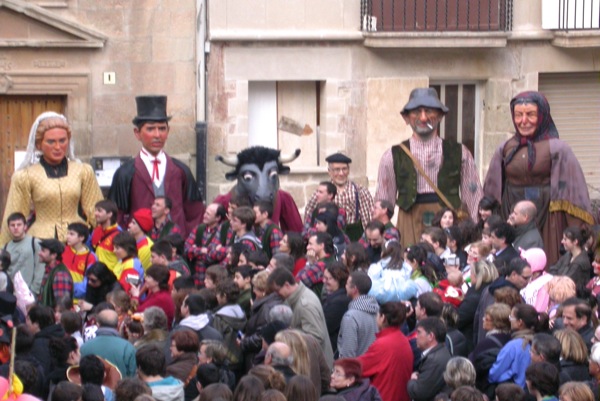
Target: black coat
(334,307)
(466,314)
(572,371)
(483,357)
(41,345)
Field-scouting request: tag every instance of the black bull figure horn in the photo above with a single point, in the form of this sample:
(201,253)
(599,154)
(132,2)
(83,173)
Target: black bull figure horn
(257,170)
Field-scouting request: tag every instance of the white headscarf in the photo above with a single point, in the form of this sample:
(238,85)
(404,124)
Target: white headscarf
(32,155)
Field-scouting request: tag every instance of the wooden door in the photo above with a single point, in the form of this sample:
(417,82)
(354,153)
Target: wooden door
(17,114)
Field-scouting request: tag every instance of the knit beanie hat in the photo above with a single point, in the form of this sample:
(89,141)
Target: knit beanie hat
(144,219)
(535,257)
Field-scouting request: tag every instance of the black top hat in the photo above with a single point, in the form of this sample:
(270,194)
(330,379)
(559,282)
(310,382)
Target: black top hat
(424,97)
(151,108)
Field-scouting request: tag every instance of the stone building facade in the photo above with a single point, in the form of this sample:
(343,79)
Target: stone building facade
(258,53)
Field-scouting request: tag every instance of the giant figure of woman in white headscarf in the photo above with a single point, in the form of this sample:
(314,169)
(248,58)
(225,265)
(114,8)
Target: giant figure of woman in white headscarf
(51,187)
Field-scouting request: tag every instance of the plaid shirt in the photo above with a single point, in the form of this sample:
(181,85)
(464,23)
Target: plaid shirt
(390,233)
(201,260)
(275,238)
(429,154)
(157,233)
(346,199)
(311,274)
(62,284)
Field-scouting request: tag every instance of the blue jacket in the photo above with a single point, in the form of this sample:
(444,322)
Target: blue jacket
(511,363)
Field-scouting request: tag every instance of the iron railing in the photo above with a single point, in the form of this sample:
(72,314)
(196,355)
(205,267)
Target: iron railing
(578,14)
(436,15)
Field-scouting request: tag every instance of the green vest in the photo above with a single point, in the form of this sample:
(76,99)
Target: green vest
(448,179)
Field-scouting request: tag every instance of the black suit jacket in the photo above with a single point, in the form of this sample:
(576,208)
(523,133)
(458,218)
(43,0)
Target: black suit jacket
(503,259)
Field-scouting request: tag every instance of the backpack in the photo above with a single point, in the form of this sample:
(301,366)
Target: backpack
(225,326)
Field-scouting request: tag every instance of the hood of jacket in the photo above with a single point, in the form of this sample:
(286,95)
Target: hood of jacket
(167,389)
(195,322)
(365,303)
(234,311)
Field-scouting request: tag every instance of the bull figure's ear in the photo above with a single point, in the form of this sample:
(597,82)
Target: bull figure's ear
(231,176)
(284,170)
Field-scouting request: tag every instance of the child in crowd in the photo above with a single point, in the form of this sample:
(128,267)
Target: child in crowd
(243,279)
(77,257)
(129,270)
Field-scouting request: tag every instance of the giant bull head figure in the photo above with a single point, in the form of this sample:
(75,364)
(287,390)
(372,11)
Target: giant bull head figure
(257,170)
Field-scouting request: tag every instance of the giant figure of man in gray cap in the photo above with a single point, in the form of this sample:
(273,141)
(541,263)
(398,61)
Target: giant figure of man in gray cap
(153,173)
(449,165)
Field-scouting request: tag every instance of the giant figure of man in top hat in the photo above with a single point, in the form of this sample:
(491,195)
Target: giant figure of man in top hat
(449,165)
(153,173)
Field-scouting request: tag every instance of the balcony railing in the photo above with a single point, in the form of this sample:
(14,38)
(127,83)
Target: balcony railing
(436,15)
(571,14)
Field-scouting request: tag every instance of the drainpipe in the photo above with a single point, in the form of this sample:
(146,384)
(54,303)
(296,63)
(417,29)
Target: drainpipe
(201,127)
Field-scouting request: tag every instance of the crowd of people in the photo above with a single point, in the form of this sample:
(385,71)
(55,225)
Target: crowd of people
(477,293)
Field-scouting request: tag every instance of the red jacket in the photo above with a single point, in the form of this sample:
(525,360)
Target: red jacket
(163,300)
(388,364)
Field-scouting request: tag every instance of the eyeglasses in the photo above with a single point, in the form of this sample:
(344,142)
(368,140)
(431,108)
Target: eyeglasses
(338,170)
(337,373)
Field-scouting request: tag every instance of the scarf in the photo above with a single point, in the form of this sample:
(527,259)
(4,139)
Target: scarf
(545,125)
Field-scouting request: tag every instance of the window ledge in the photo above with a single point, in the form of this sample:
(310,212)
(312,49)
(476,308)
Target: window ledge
(434,39)
(277,35)
(577,39)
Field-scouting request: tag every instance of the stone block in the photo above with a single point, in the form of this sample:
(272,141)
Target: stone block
(237,107)
(112,23)
(135,51)
(336,105)
(498,118)
(498,91)
(236,142)
(170,49)
(109,109)
(241,89)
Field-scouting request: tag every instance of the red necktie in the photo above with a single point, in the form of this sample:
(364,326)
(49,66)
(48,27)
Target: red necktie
(155,162)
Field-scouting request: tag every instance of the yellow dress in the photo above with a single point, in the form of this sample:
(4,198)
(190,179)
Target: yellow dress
(54,200)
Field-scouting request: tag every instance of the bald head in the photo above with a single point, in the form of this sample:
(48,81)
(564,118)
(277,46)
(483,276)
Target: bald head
(523,212)
(279,353)
(108,318)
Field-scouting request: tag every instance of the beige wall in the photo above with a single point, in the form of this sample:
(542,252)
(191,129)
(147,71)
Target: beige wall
(271,17)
